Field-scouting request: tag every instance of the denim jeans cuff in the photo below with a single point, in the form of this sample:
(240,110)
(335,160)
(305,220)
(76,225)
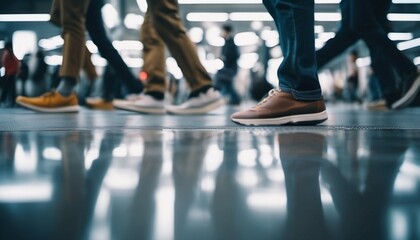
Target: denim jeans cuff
(311,95)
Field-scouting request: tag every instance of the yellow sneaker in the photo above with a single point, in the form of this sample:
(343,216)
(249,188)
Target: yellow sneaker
(99,103)
(50,102)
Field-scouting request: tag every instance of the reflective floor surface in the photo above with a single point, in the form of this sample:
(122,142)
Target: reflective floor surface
(119,175)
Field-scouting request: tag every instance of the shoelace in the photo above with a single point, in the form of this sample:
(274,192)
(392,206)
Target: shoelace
(271,93)
(49,94)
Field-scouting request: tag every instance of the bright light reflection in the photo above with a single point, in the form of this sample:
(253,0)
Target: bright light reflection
(91,46)
(52,153)
(164,220)
(121,178)
(416,61)
(120,151)
(275,175)
(213,37)
(196,34)
(128,45)
(24,17)
(408,44)
(326,197)
(142,5)
(363,62)
(247,178)
(207,184)
(207,16)
(90,156)
(248,60)
(174,68)
(24,42)
(112,18)
(250,16)
(404,184)
(409,17)
(133,21)
(399,225)
(31,192)
(327,17)
(102,204)
(247,158)
(400,36)
(246,38)
(267,200)
(25,161)
(411,169)
(213,158)
(51,43)
(54,60)
(136,149)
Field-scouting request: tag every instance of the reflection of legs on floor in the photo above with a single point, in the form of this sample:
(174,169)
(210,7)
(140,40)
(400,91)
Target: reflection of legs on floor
(305,218)
(362,212)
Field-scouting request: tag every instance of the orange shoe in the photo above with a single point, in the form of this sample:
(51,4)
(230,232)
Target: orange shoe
(50,102)
(99,103)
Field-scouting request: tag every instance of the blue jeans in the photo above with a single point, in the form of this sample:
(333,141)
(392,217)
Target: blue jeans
(298,72)
(97,32)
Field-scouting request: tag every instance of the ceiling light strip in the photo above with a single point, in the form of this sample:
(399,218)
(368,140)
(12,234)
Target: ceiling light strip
(24,17)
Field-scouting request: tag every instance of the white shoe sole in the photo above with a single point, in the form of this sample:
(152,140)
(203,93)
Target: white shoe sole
(198,110)
(409,96)
(69,109)
(313,118)
(129,106)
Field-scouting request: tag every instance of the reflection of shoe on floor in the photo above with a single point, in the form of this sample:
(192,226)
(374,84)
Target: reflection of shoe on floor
(410,90)
(143,103)
(99,103)
(281,108)
(51,102)
(378,104)
(202,103)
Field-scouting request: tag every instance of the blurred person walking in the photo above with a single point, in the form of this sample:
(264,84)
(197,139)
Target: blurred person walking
(225,77)
(299,99)
(368,21)
(162,27)
(11,66)
(70,15)
(98,35)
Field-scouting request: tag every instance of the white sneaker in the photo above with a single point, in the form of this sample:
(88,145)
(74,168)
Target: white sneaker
(143,103)
(378,104)
(203,103)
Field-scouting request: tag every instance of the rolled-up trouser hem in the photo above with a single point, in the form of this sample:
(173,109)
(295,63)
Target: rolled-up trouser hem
(312,95)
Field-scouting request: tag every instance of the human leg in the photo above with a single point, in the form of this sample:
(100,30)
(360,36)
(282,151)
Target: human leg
(300,99)
(72,17)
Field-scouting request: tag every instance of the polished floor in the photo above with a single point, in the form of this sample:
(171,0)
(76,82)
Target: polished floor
(121,175)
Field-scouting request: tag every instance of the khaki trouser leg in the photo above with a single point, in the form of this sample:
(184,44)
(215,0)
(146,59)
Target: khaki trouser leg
(72,20)
(88,66)
(166,20)
(153,56)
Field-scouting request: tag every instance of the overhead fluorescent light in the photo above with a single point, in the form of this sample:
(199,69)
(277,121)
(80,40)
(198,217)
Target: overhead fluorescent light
(409,17)
(250,16)
(24,17)
(220,1)
(405,1)
(327,1)
(327,17)
(408,44)
(243,1)
(417,60)
(400,36)
(207,17)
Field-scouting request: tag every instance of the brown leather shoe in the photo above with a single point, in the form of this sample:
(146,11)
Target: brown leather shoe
(281,108)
